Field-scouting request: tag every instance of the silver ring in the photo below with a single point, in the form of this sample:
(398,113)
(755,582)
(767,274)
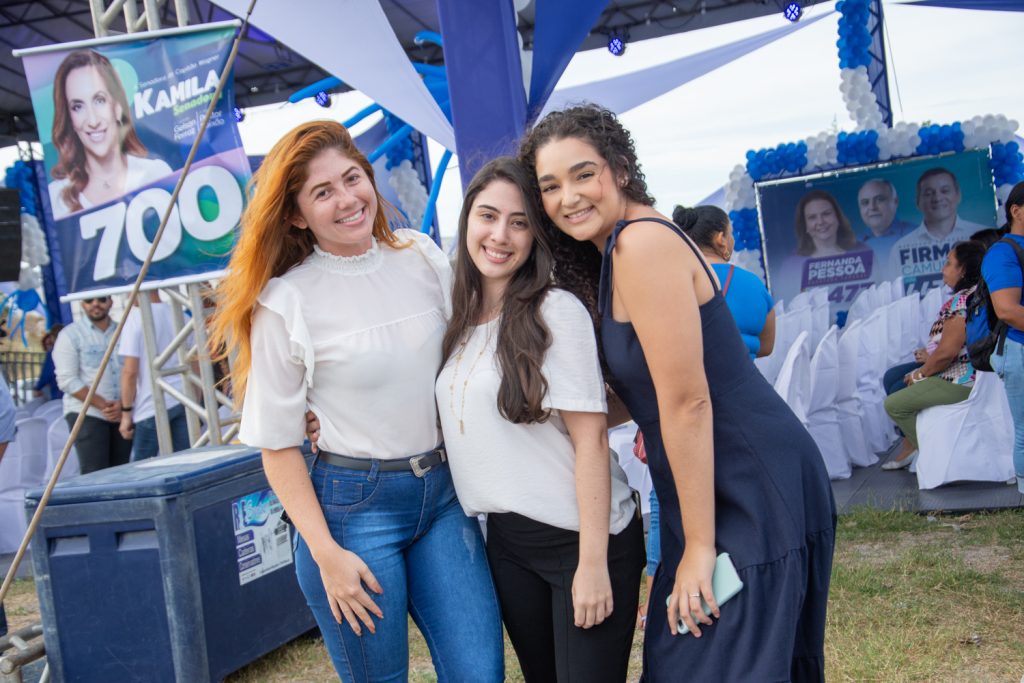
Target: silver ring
(694,595)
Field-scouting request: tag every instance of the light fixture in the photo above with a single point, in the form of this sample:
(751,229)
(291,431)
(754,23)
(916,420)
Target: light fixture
(793,11)
(617,43)
(239,114)
(323,99)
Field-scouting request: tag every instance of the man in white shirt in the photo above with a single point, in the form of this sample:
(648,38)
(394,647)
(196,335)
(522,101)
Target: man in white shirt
(139,417)
(76,358)
(921,254)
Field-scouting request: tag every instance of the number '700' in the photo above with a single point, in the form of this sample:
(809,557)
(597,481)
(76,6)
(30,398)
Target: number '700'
(129,219)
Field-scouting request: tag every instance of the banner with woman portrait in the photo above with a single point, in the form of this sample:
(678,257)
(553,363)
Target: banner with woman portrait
(849,229)
(117,118)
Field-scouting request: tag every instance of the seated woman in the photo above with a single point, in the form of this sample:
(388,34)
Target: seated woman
(745,295)
(946,375)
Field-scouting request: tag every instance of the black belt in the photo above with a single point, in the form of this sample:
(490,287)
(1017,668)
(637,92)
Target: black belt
(418,464)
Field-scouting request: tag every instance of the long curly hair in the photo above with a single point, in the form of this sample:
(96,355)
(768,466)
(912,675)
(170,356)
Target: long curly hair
(523,337)
(270,244)
(578,264)
(70,151)
(845,237)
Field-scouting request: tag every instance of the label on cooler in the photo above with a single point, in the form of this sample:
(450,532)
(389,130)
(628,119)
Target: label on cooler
(262,540)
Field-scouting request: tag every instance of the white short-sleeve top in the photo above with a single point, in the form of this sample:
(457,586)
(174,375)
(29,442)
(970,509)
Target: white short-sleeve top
(529,469)
(357,340)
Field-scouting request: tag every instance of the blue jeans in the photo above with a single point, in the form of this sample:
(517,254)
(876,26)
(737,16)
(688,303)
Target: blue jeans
(1010,366)
(145,444)
(429,558)
(892,381)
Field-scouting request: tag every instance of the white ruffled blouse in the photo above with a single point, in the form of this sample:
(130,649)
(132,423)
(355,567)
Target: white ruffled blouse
(357,340)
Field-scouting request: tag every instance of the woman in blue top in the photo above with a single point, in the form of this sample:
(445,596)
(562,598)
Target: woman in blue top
(1004,276)
(745,295)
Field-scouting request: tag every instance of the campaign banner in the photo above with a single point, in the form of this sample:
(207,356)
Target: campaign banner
(850,229)
(117,118)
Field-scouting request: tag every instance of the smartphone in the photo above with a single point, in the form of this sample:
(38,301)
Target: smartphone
(725,583)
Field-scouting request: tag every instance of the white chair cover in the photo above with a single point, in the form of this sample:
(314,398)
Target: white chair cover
(820,321)
(50,411)
(881,294)
(31,441)
(931,302)
(878,429)
(785,333)
(862,305)
(33,405)
(822,409)
(910,312)
(56,436)
(620,441)
(894,350)
(967,441)
(779,308)
(898,288)
(799,301)
(794,381)
(819,296)
(848,403)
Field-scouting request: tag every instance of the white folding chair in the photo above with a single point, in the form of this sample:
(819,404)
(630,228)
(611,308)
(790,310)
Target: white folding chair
(56,436)
(862,305)
(931,303)
(31,441)
(822,408)
(878,429)
(898,288)
(967,441)
(894,350)
(50,411)
(799,301)
(794,381)
(819,296)
(910,311)
(848,403)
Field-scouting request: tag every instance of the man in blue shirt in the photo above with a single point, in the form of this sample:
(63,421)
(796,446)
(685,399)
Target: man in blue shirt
(1004,276)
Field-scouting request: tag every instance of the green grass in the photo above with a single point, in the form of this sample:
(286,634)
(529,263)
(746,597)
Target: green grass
(913,598)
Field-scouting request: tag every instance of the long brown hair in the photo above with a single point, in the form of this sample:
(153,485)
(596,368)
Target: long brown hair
(523,338)
(269,243)
(71,153)
(844,236)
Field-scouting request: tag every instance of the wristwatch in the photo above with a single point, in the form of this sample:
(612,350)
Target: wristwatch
(126,409)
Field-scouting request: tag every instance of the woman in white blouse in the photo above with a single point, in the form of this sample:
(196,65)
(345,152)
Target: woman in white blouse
(326,307)
(522,405)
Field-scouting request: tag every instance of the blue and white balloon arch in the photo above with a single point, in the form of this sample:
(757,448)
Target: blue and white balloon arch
(870,142)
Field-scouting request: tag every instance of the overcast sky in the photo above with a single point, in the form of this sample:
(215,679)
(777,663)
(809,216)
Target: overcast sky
(949,65)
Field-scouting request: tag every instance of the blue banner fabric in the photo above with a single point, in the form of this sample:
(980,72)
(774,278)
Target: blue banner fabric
(560,28)
(485,79)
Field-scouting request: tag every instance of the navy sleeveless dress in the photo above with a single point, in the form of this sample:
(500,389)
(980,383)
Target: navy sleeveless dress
(774,511)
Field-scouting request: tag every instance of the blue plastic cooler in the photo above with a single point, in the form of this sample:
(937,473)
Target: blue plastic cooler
(176,568)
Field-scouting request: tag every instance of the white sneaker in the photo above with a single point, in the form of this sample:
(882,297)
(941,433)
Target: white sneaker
(895,464)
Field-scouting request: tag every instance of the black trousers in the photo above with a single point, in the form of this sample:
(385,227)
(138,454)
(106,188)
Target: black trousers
(533,565)
(99,444)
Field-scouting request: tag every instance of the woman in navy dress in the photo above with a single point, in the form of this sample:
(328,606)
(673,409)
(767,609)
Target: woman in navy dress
(726,453)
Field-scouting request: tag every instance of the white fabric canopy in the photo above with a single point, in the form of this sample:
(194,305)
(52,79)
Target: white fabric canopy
(352,39)
(622,93)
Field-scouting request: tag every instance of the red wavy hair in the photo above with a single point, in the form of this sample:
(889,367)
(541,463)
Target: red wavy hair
(270,244)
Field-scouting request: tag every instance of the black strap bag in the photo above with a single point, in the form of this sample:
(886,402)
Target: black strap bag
(980,352)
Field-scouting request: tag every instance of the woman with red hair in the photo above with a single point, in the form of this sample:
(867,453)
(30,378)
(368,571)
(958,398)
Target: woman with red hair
(325,307)
(100,154)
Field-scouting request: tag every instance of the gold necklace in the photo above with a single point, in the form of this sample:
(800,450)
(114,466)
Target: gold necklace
(469,375)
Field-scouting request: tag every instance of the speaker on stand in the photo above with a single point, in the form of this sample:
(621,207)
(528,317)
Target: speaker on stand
(10,235)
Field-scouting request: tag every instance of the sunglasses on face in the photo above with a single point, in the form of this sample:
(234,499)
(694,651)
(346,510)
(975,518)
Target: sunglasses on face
(98,299)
